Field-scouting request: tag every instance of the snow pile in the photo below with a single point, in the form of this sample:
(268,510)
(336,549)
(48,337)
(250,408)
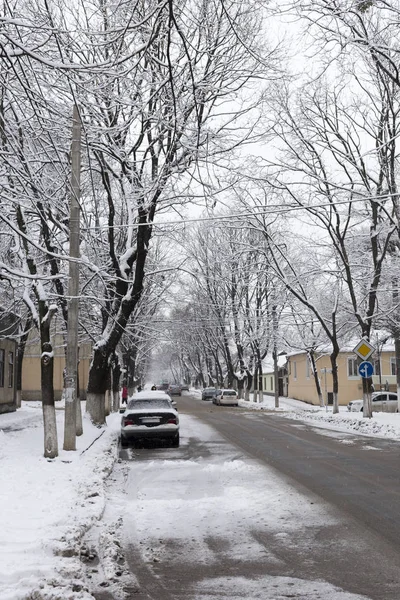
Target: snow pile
(46,506)
(380,425)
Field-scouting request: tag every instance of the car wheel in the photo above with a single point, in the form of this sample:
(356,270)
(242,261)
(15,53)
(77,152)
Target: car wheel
(124,443)
(175,442)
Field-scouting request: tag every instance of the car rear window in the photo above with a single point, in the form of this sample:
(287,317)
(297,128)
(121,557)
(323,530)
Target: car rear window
(150,403)
(229,393)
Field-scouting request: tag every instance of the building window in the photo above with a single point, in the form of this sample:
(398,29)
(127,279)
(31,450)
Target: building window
(392,365)
(352,367)
(272,384)
(307,368)
(2,359)
(10,369)
(294,370)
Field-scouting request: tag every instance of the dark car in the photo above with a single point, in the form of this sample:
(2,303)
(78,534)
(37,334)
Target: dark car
(174,389)
(163,386)
(208,393)
(150,416)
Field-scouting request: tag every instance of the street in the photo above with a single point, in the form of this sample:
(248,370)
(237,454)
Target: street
(255,505)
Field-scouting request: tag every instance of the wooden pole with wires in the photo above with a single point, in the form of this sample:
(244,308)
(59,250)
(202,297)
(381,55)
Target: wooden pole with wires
(73,289)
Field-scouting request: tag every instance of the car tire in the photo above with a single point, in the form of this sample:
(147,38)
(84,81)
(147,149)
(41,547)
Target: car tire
(175,441)
(124,443)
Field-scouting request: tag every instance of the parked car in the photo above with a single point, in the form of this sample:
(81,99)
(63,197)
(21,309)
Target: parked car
(174,389)
(208,393)
(226,397)
(381,402)
(184,387)
(149,415)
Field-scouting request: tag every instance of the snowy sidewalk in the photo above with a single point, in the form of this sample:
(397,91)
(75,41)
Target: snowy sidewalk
(46,506)
(384,425)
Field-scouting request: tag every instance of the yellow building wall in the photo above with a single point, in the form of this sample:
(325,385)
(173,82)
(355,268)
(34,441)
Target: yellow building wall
(31,385)
(302,384)
(268,383)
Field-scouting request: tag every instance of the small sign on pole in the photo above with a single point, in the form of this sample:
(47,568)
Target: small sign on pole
(366,369)
(364,349)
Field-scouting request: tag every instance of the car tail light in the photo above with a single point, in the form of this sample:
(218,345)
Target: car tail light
(128,422)
(173,421)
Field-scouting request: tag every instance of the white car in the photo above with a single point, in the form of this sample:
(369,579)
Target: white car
(381,402)
(150,416)
(226,397)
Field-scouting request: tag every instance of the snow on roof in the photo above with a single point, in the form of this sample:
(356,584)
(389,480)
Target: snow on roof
(268,363)
(379,339)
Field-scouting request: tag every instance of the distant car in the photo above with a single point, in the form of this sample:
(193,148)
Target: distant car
(174,389)
(149,416)
(226,397)
(381,402)
(163,386)
(184,387)
(208,393)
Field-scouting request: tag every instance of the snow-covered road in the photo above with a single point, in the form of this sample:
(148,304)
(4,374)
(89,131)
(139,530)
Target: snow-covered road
(205,522)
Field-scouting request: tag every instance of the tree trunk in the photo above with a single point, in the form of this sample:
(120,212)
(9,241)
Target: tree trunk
(240,386)
(397,354)
(249,383)
(316,378)
(79,424)
(116,377)
(276,379)
(97,385)
(367,405)
(335,381)
(260,385)
(49,412)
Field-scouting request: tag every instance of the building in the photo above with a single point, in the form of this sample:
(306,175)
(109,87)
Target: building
(268,379)
(31,372)
(9,328)
(301,384)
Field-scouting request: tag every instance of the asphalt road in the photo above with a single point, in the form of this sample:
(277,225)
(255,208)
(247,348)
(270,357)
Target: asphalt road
(356,477)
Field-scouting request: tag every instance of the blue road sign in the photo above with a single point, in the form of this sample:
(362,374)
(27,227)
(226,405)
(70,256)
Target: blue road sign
(366,369)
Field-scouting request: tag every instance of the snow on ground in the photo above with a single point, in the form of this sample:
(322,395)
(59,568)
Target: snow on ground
(380,425)
(385,425)
(47,506)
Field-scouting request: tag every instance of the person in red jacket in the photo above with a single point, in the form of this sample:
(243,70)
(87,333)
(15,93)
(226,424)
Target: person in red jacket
(124,394)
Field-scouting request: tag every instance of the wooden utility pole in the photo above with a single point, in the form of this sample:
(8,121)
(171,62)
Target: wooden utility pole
(396,335)
(71,378)
(275,354)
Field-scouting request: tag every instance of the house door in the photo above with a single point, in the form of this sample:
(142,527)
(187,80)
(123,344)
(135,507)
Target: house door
(330,398)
